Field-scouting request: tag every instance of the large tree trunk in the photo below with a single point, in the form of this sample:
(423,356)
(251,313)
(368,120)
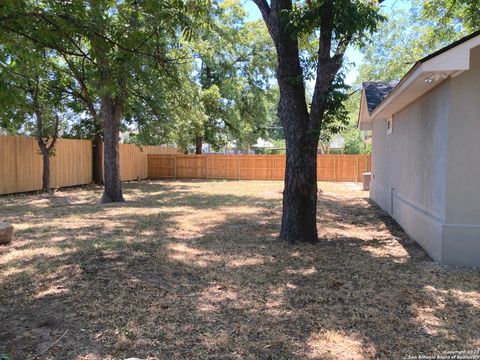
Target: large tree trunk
(299,221)
(302,128)
(97,163)
(198,144)
(111,113)
(300,191)
(46,168)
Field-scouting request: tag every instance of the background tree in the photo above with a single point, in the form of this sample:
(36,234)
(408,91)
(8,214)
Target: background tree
(354,141)
(86,103)
(335,25)
(413,33)
(119,39)
(30,97)
(397,45)
(449,16)
(232,66)
(163,109)
(236,61)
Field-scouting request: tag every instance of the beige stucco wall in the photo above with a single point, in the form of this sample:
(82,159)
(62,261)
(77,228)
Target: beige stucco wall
(463,199)
(426,174)
(408,166)
(461,231)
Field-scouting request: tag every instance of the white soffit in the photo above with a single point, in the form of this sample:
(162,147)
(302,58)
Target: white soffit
(425,76)
(364,118)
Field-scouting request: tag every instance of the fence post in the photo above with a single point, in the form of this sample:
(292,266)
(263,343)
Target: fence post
(174,168)
(206,166)
(358,167)
(238,167)
(334,168)
(273,168)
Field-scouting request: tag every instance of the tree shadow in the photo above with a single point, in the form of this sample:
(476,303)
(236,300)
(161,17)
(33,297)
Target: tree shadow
(188,274)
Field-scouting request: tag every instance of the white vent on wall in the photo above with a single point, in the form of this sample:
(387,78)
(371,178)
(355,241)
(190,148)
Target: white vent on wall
(389,125)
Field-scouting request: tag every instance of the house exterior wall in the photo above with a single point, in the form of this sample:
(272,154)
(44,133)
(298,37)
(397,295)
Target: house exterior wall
(408,167)
(426,173)
(461,232)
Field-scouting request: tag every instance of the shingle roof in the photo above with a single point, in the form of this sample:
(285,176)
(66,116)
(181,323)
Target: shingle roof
(376,91)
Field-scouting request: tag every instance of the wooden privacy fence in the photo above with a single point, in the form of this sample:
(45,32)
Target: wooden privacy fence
(252,167)
(133,160)
(21,165)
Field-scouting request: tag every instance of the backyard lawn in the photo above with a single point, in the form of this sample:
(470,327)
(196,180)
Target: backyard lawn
(193,269)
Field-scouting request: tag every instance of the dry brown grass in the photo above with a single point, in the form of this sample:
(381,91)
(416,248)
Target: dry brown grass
(192,269)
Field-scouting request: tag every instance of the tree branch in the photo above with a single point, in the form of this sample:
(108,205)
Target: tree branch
(263,7)
(86,97)
(55,134)
(41,42)
(38,115)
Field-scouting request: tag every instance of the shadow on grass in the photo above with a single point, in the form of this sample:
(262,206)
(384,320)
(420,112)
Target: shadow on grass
(180,273)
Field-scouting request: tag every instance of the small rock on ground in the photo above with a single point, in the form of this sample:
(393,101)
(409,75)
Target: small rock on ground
(6,233)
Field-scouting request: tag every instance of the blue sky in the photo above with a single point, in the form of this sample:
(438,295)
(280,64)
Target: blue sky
(353,55)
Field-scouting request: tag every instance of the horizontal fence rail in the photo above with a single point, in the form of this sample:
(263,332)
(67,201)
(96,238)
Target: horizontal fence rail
(339,168)
(21,165)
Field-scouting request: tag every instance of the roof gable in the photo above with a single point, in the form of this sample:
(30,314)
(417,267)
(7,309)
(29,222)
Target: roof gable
(376,91)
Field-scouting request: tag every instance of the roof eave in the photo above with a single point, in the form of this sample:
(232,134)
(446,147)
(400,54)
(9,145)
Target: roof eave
(425,75)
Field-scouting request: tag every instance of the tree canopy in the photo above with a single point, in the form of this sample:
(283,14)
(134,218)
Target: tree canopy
(179,70)
(412,33)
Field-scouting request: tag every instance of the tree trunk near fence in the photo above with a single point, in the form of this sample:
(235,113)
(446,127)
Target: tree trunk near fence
(97,164)
(46,149)
(198,144)
(46,169)
(111,113)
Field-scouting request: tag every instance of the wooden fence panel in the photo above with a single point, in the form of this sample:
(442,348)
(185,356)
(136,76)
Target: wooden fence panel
(255,167)
(326,168)
(190,166)
(252,167)
(365,165)
(279,163)
(20,162)
(346,168)
(161,166)
(133,160)
(72,163)
(21,165)
(222,167)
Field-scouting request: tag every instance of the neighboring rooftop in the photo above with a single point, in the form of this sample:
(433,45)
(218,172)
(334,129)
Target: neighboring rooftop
(376,91)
